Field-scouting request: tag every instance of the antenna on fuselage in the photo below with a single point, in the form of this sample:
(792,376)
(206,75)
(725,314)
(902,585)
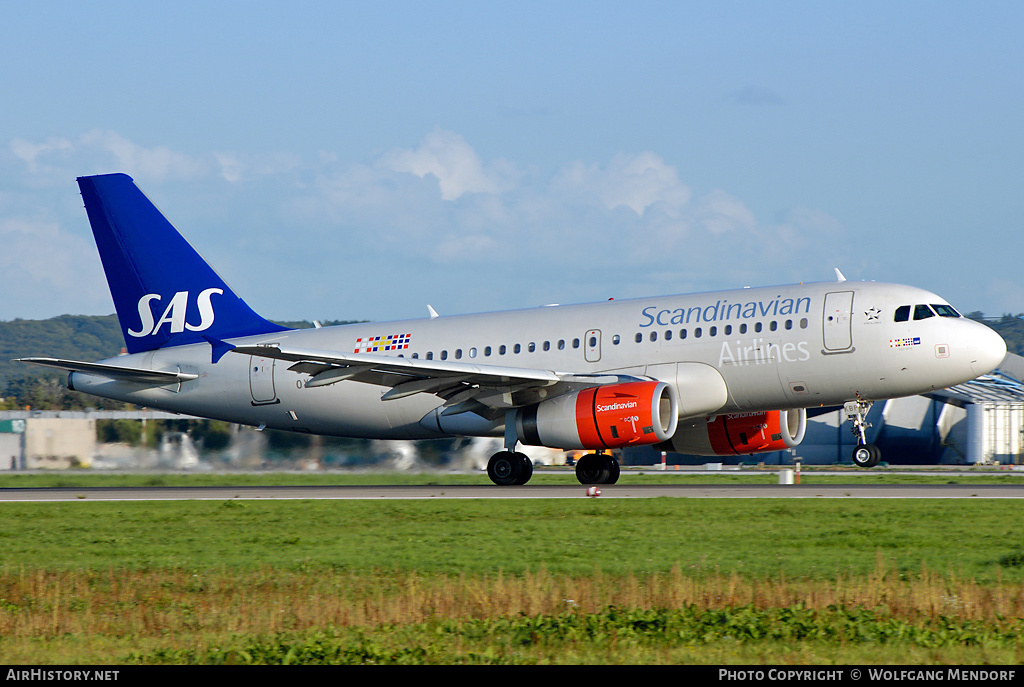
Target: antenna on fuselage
(433,313)
(839,275)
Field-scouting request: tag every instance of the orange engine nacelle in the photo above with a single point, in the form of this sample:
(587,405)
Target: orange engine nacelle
(601,417)
(742,433)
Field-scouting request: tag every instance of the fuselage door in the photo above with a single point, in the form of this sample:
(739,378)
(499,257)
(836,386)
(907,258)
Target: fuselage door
(261,379)
(592,346)
(837,321)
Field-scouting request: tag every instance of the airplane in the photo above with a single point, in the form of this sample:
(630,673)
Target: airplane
(721,373)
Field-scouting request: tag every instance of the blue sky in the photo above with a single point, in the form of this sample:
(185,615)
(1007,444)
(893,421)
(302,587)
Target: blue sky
(361,160)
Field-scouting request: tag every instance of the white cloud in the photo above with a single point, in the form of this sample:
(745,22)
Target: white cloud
(231,168)
(720,213)
(30,152)
(627,225)
(633,181)
(453,162)
(158,164)
(56,160)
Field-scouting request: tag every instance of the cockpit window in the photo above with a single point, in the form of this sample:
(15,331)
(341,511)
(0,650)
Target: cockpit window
(922,312)
(945,310)
(902,313)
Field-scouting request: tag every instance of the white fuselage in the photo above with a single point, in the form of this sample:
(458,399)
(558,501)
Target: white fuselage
(796,346)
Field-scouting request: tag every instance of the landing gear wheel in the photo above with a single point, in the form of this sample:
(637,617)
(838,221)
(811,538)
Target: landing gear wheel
(527,468)
(591,469)
(597,468)
(505,468)
(866,455)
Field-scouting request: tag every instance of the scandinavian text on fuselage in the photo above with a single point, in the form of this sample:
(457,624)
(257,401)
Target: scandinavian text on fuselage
(724,311)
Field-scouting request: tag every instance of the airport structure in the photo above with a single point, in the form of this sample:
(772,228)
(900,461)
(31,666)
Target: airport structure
(58,439)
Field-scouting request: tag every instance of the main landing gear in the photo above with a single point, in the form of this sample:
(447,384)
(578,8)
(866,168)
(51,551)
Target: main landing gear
(865,455)
(508,468)
(511,468)
(597,468)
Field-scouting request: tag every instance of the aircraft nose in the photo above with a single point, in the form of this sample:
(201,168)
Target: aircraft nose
(987,350)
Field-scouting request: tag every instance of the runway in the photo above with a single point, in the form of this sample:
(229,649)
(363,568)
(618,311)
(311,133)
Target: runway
(273,493)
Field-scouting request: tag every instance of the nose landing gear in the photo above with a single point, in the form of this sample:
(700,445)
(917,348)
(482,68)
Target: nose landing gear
(864,455)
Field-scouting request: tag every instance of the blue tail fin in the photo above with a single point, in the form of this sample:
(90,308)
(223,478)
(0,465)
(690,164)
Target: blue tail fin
(164,292)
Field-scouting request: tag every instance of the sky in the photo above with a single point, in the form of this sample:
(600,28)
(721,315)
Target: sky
(355,160)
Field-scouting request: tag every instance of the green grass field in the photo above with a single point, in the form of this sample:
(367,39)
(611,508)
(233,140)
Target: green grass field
(509,581)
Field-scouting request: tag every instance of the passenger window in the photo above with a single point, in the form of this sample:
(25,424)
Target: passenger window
(615,340)
(517,348)
(728,329)
(945,310)
(713,331)
(430,355)
(654,336)
(532,347)
(444,355)
(922,312)
(743,328)
(803,323)
(639,337)
(697,332)
(487,351)
(902,314)
(773,326)
(789,324)
(501,349)
(668,335)
(575,343)
(547,345)
(593,342)
(472,352)
(561,344)
(458,353)
(757,327)
(682,333)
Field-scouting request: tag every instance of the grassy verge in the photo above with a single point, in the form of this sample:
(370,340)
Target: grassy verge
(281,616)
(653,580)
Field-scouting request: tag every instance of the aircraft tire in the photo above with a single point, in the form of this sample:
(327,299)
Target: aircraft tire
(613,473)
(866,455)
(593,469)
(505,468)
(526,466)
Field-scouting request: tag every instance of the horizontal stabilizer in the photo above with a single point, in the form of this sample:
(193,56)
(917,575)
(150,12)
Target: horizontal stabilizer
(121,374)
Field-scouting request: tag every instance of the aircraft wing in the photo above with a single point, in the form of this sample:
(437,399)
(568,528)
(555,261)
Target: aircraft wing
(124,374)
(485,389)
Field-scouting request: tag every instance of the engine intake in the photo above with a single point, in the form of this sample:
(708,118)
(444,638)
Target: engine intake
(601,417)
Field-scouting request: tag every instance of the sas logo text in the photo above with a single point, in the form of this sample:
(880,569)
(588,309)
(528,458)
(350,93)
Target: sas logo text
(175,313)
